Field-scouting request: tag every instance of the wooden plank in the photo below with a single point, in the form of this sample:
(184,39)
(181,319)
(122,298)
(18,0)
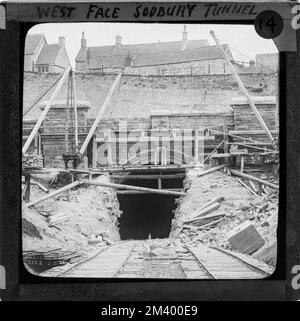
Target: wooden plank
(60,190)
(41,186)
(154,177)
(125,192)
(248,188)
(203,227)
(253,178)
(210,208)
(252,185)
(211,170)
(250,132)
(217,199)
(131,187)
(202,219)
(264,149)
(142,168)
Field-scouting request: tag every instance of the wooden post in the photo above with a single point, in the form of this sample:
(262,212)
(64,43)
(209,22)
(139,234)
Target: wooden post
(85,162)
(159,181)
(109,149)
(225,138)
(67,115)
(196,151)
(156,156)
(260,190)
(40,144)
(244,90)
(150,176)
(36,144)
(242,164)
(45,111)
(75,111)
(94,153)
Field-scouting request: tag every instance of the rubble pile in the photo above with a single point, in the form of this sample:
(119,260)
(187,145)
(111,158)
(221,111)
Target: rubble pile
(80,220)
(32,161)
(217,206)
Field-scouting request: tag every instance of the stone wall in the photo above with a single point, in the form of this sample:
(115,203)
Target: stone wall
(188,102)
(137,96)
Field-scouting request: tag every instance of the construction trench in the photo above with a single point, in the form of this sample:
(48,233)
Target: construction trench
(185,194)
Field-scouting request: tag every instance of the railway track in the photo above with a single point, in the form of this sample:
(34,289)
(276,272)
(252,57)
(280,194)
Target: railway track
(223,264)
(134,259)
(104,264)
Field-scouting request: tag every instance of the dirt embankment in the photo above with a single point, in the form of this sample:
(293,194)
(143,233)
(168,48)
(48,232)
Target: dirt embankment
(239,207)
(80,220)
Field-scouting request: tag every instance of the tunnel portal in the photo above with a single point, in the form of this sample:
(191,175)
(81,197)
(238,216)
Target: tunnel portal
(146,215)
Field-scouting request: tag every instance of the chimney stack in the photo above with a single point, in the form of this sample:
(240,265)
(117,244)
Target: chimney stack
(184,38)
(252,63)
(61,41)
(83,41)
(118,40)
(184,34)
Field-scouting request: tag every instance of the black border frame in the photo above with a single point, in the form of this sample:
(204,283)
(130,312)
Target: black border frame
(36,288)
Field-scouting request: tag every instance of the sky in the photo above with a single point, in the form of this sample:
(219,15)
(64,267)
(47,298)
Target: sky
(242,38)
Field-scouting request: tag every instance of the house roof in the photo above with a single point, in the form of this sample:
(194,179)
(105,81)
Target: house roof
(48,54)
(32,42)
(149,54)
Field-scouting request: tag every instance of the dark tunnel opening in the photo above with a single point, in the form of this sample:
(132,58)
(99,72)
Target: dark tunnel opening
(147,214)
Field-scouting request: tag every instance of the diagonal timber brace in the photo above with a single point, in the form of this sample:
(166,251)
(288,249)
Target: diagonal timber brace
(100,114)
(244,90)
(47,107)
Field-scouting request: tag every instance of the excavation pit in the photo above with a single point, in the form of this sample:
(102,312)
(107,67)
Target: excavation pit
(145,214)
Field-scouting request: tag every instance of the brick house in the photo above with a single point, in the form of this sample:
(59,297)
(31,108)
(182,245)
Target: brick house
(42,57)
(183,57)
